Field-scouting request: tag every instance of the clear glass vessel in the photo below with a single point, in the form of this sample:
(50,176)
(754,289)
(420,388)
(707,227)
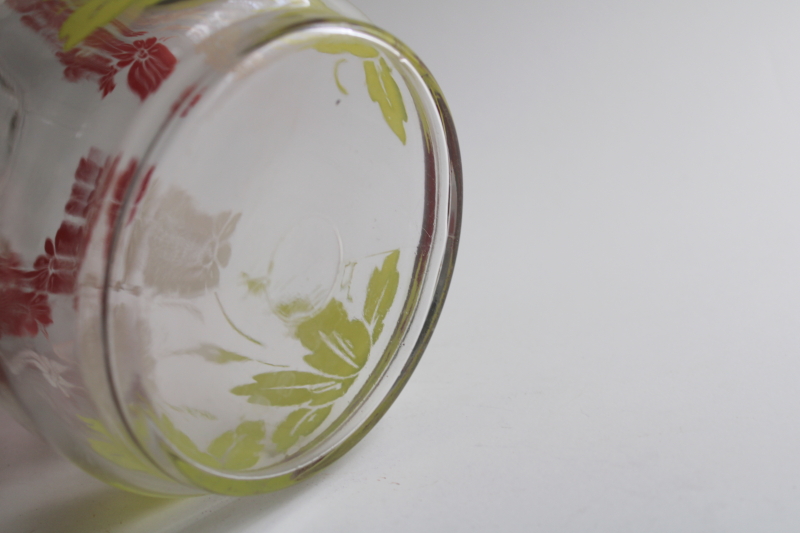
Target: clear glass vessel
(227,229)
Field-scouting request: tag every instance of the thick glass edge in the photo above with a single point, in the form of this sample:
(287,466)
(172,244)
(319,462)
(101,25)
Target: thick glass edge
(454,208)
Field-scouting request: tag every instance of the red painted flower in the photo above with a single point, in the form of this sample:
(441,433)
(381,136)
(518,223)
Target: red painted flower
(23,313)
(101,55)
(42,16)
(151,62)
(24,293)
(189,95)
(55,271)
(121,188)
(11,272)
(87,178)
(81,65)
(19,307)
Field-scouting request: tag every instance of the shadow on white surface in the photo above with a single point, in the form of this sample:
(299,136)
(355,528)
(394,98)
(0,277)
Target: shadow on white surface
(42,492)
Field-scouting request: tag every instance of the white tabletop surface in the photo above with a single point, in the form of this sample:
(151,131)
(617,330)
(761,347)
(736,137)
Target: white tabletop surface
(620,350)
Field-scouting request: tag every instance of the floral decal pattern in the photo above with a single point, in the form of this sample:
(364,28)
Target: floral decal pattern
(339,347)
(102,52)
(24,312)
(179,249)
(236,450)
(381,86)
(52,370)
(24,292)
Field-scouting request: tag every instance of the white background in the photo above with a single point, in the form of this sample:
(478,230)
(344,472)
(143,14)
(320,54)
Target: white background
(619,350)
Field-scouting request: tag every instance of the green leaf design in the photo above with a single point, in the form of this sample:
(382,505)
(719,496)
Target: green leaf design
(292,388)
(298,306)
(381,291)
(380,84)
(114,449)
(95,14)
(241,448)
(255,286)
(340,44)
(339,346)
(299,423)
(237,449)
(339,350)
(336,77)
(182,442)
(384,91)
(220,356)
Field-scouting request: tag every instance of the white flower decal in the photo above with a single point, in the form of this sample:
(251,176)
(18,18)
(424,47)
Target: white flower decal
(51,370)
(185,248)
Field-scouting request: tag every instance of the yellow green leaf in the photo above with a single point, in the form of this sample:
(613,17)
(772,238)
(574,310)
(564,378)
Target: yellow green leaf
(183,443)
(292,388)
(238,449)
(341,44)
(255,286)
(384,91)
(112,448)
(95,14)
(241,448)
(298,306)
(336,77)
(300,423)
(339,346)
(220,356)
(381,291)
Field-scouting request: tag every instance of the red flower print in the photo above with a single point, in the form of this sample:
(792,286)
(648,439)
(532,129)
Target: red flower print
(101,55)
(151,62)
(87,177)
(23,313)
(126,31)
(44,17)
(24,293)
(121,187)
(123,181)
(10,270)
(80,65)
(55,271)
(188,95)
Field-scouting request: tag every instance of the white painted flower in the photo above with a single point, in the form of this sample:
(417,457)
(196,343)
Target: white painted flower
(184,248)
(52,371)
